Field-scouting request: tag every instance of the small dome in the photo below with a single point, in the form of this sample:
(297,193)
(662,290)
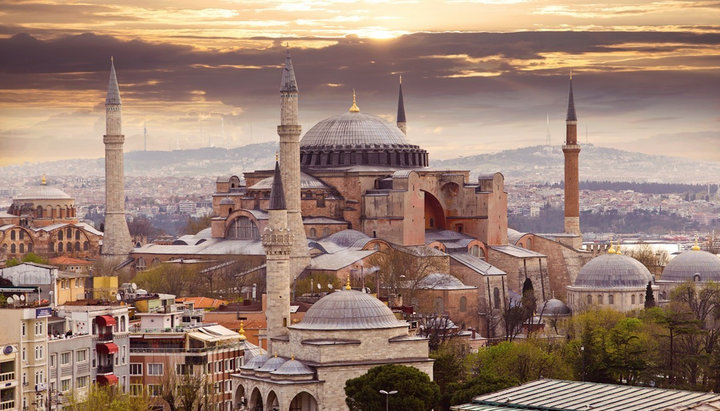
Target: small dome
(439,281)
(696,265)
(293,367)
(226,201)
(272,364)
(613,271)
(554,306)
(348,310)
(256,362)
(43,192)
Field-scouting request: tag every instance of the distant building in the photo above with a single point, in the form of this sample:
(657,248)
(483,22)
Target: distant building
(57,287)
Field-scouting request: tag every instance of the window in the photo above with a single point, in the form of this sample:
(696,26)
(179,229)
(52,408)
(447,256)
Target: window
(69,231)
(600,299)
(135,368)
(12,235)
(60,235)
(155,369)
(140,265)
(228,386)
(77,245)
(39,377)
(60,247)
(81,355)
(24,354)
(53,359)
(30,248)
(77,283)
(313,233)
(38,328)
(12,249)
(77,234)
(65,385)
(611,299)
(86,245)
(22,247)
(81,382)
(496,294)
(209,368)
(24,379)
(52,247)
(39,352)
(65,358)
(632,299)
(23,328)
(124,354)
(154,390)
(463,304)
(589,299)
(182,369)
(243,228)
(136,390)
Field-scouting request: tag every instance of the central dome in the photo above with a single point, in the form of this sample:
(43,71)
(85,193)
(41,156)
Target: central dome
(43,192)
(356,138)
(613,271)
(348,310)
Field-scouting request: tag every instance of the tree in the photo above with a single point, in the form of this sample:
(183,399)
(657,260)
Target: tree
(649,257)
(649,296)
(521,361)
(107,398)
(402,269)
(177,279)
(197,224)
(415,390)
(27,258)
(182,392)
(142,226)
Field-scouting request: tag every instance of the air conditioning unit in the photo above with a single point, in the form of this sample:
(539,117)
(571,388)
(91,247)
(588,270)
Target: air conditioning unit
(40,387)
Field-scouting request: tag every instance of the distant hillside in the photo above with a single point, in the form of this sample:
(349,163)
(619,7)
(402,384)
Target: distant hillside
(545,164)
(529,164)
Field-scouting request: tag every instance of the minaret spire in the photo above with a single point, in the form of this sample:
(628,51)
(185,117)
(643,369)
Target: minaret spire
(571,116)
(277,194)
(116,240)
(401,122)
(571,150)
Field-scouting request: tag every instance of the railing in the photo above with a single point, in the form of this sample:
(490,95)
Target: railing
(7,376)
(138,350)
(7,405)
(105,337)
(105,369)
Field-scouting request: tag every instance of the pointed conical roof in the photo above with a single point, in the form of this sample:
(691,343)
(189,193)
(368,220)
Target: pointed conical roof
(571,104)
(401,105)
(113,94)
(277,195)
(288,83)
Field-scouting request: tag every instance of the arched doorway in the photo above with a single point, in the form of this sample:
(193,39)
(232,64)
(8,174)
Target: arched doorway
(239,399)
(434,213)
(272,403)
(256,401)
(303,402)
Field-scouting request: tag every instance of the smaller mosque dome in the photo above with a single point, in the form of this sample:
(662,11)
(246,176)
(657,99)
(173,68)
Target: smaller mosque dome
(293,367)
(554,306)
(613,271)
(696,265)
(272,364)
(348,310)
(256,362)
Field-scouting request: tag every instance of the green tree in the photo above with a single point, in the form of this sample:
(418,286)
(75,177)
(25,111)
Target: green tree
(107,398)
(448,369)
(521,360)
(197,224)
(178,279)
(482,383)
(27,258)
(649,296)
(415,390)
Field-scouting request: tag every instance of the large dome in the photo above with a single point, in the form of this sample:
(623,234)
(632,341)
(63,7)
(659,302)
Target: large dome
(348,310)
(43,192)
(613,271)
(356,138)
(688,265)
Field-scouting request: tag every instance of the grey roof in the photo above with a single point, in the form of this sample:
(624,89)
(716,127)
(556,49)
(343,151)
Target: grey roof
(477,264)
(339,259)
(287,81)
(212,246)
(306,181)
(348,238)
(571,116)
(113,93)
(559,395)
(554,306)
(444,235)
(354,129)
(516,251)
(348,310)
(613,271)
(43,192)
(438,281)
(277,195)
(401,106)
(256,362)
(293,367)
(514,236)
(687,265)
(251,351)
(272,364)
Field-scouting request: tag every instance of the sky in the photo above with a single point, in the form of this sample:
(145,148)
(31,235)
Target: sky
(478,76)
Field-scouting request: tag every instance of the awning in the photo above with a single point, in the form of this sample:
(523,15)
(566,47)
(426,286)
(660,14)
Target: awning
(107,348)
(109,379)
(106,320)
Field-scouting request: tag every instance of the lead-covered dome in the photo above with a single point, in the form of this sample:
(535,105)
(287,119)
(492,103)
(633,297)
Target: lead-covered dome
(348,310)
(43,192)
(695,265)
(356,138)
(613,271)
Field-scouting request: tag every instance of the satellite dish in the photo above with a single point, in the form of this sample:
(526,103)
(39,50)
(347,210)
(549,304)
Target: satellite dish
(22,297)
(133,286)
(330,286)
(16,297)
(118,297)
(10,300)
(319,286)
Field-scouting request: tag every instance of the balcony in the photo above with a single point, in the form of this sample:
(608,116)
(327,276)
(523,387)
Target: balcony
(7,405)
(7,376)
(105,369)
(106,336)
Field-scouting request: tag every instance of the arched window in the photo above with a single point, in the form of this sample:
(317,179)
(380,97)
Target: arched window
(12,248)
(632,299)
(589,299)
(69,233)
(432,222)
(77,245)
(122,323)
(611,299)
(600,299)
(39,212)
(12,235)
(140,264)
(496,297)
(463,304)
(696,278)
(313,233)
(22,248)
(77,234)
(326,232)
(154,262)
(52,247)
(243,228)
(22,234)
(30,248)
(459,228)
(69,246)
(86,245)
(60,235)
(475,250)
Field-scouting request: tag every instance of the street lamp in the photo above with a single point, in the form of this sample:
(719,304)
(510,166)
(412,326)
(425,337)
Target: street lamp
(387,397)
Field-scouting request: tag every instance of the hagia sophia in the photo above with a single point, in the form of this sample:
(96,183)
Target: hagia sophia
(353,186)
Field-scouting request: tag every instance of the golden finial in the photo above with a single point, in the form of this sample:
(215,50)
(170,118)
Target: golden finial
(292,357)
(696,247)
(570,74)
(611,250)
(401,79)
(618,251)
(347,284)
(43,181)
(354,108)
(276,355)
(242,331)
(277,156)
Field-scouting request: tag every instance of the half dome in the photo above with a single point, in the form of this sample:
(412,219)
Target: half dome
(613,271)
(348,310)
(695,265)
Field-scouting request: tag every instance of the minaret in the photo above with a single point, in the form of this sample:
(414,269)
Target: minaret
(571,149)
(277,241)
(116,241)
(401,123)
(289,132)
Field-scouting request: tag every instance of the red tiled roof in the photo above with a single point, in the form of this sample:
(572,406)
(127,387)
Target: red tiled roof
(203,302)
(65,260)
